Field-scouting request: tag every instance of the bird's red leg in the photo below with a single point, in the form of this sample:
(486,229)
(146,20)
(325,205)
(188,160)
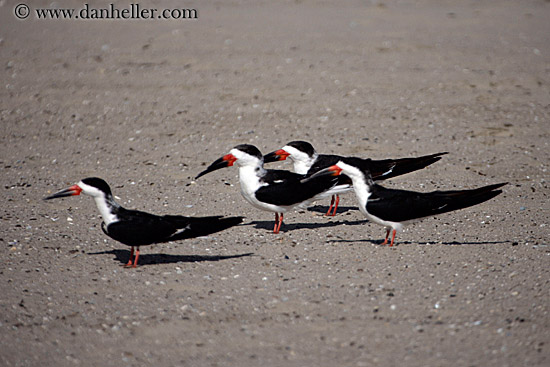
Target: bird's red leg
(129,263)
(137,257)
(392,237)
(276,222)
(386,240)
(330,207)
(278,225)
(336,205)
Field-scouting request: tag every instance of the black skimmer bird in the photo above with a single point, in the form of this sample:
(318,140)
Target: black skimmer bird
(307,162)
(393,208)
(277,191)
(136,228)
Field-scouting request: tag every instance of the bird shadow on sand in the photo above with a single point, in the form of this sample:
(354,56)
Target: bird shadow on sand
(451,243)
(323,209)
(292,226)
(152,259)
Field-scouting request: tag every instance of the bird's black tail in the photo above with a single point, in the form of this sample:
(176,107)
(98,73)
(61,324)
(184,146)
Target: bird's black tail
(461,199)
(389,168)
(203,226)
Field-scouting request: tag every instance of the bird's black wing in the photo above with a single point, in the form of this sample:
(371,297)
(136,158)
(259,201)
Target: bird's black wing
(136,228)
(379,169)
(389,168)
(278,175)
(288,188)
(190,227)
(402,205)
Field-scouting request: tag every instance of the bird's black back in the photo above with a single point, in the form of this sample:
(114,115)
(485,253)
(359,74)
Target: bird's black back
(401,205)
(378,169)
(288,188)
(389,168)
(137,228)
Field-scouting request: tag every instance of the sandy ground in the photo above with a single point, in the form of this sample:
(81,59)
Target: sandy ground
(147,104)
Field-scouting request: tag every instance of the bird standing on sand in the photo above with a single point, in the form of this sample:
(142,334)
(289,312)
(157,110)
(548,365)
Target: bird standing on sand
(276,191)
(136,228)
(393,208)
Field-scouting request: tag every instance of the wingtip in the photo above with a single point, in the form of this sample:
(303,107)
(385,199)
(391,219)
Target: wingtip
(437,156)
(498,185)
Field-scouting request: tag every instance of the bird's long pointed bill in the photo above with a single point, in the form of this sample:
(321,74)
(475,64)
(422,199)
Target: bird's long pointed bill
(278,155)
(71,191)
(225,161)
(329,171)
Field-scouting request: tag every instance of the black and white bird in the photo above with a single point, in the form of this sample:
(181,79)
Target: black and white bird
(276,191)
(307,161)
(136,228)
(393,208)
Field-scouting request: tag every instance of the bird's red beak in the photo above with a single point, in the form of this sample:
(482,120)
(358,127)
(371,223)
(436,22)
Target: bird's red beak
(71,191)
(230,159)
(278,155)
(335,170)
(226,161)
(329,171)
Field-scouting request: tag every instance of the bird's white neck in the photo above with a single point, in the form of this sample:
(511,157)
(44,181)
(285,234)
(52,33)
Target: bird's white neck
(302,167)
(302,163)
(360,184)
(106,207)
(362,191)
(249,177)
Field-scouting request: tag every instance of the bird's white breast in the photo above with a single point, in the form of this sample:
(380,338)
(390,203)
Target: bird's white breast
(105,210)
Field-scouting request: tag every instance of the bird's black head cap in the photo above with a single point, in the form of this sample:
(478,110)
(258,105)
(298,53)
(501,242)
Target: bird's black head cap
(98,183)
(250,149)
(303,146)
